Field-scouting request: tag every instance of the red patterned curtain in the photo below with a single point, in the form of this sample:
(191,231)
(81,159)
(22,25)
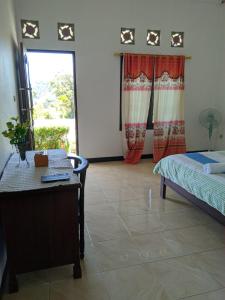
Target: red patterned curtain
(137,85)
(169,133)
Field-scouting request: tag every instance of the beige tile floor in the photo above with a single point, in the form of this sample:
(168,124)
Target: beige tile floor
(137,245)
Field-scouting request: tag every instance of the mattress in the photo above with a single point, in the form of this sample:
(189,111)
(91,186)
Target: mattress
(187,172)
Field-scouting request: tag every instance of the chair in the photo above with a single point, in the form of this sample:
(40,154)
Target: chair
(80,167)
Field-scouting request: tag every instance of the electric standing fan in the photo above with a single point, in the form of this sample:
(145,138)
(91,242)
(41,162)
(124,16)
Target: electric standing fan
(210,119)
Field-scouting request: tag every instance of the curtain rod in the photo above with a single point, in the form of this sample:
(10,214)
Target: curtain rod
(121,54)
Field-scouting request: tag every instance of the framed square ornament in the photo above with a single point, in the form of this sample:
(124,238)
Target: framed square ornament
(127,36)
(30,29)
(66,32)
(153,37)
(177,39)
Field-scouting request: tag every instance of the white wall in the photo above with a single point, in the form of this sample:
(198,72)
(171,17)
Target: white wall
(8,106)
(221,96)
(97,25)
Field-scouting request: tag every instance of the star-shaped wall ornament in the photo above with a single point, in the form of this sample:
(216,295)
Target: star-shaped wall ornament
(30,29)
(177,39)
(153,37)
(127,36)
(66,32)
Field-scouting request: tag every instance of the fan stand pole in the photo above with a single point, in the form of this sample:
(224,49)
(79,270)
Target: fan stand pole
(210,144)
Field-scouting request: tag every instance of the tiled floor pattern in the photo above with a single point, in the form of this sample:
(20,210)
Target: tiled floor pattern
(137,245)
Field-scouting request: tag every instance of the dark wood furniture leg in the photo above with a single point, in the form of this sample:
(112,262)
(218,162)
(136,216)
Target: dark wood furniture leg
(162,188)
(13,283)
(77,271)
(197,202)
(80,168)
(81,207)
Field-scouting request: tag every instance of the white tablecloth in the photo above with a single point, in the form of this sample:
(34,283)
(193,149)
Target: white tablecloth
(24,178)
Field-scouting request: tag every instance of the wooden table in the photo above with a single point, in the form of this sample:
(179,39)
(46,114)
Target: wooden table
(40,222)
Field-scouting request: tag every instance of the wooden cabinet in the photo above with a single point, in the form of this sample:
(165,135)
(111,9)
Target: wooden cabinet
(40,229)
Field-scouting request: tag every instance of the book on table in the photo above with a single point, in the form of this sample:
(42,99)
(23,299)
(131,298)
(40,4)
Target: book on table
(55,177)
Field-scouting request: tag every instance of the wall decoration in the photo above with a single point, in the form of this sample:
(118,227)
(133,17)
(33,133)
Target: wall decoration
(30,29)
(177,39)
(66,32)
(127,36)
(153,37)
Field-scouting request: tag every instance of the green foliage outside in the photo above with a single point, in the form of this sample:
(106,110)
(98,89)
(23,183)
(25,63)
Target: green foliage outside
(54,99)
(62,87)
(51,138)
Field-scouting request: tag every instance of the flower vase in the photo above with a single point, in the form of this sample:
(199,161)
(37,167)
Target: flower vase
(21,150)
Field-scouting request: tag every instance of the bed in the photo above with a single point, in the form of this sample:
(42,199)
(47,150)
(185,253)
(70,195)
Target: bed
(184,174)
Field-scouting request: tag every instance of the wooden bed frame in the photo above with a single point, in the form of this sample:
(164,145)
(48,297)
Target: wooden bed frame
(203,205)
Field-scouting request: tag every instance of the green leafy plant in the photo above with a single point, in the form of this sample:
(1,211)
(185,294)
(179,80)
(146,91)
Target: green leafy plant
(54,137)
(16,132)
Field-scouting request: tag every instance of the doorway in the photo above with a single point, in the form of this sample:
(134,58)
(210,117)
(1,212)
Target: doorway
(52,78)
